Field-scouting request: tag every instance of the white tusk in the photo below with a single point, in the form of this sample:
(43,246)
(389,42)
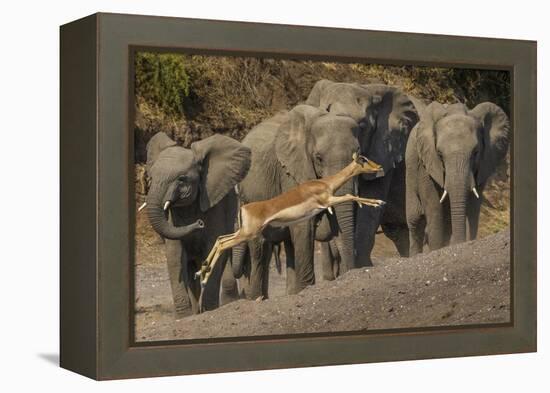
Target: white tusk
(166,205)
(142,206)
(475,192)
(330,210)
(443,196)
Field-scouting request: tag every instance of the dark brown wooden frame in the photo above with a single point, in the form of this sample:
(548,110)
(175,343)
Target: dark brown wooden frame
(97,195)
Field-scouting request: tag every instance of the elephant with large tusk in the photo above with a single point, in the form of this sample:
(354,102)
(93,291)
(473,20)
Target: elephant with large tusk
(190,203)
(450,155)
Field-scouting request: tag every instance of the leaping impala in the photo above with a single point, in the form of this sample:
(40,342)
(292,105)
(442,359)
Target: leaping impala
(297,204)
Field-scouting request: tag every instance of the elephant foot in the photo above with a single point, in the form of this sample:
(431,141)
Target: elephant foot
(366,262)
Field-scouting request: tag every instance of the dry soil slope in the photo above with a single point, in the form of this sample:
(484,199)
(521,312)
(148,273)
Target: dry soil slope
(457,285)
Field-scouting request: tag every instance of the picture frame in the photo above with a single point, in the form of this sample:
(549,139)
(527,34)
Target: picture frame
(96,262)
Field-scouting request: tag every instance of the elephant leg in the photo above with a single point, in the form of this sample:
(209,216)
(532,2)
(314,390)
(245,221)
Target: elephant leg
(399,235)
(176,261)
(229,290)
(368,219)
(417,231)
(472,213)
(189,268)
(302,238)
(436,229)
(290,265)
(260,254)
(210,294)
(327,261)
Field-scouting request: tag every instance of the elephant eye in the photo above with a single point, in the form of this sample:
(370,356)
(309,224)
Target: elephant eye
(182,178)
(318,157)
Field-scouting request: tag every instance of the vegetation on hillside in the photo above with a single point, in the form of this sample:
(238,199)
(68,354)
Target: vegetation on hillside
(191,97)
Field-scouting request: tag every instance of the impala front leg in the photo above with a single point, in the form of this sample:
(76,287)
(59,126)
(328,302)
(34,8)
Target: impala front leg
(334,200)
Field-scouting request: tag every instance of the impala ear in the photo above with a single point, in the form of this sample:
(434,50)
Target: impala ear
(291,143)
(224,163)
(496,134)
(155,146)
(425,142)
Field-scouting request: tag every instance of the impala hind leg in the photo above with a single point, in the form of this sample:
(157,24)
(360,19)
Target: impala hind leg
(225,244)
(219,240)
(206,263)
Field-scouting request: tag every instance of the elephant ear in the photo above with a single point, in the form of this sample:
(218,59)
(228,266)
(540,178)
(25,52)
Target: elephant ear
(155,146)
(396,115)
(425,142)
(314,98)
(291,142)
(224,163)
(496,134)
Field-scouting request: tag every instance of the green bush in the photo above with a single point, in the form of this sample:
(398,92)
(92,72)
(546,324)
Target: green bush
(162,81)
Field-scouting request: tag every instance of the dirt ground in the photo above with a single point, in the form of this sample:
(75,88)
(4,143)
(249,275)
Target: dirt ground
(458,285)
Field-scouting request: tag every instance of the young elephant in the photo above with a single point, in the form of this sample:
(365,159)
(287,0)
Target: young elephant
(190,203)
(450,155)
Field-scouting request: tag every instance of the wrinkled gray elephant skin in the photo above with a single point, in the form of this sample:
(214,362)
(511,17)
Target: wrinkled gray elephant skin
(450,155)
(292,147)
(190,203)
(386,115)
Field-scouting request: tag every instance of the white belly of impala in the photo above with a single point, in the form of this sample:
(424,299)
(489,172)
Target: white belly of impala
(292,215)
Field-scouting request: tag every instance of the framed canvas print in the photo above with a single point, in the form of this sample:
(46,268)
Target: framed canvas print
(242,196)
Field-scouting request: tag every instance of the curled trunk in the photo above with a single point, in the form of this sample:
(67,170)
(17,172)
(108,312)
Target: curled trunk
(159,220)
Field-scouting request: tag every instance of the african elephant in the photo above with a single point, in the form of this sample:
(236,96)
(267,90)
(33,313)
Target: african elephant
(292,147)
(450,155)
(190,203)
(386,116)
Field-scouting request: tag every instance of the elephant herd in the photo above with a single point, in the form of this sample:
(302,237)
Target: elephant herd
(436,161)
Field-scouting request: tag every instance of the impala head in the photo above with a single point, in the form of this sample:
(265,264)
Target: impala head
(385,115)
(364,165)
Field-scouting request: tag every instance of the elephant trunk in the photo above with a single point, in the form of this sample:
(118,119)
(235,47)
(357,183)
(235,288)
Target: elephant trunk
(345,240)
(457,187)
(159,220)
(237,259)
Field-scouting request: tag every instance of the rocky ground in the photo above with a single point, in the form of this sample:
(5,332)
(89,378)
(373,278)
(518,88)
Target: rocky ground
(458,285)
